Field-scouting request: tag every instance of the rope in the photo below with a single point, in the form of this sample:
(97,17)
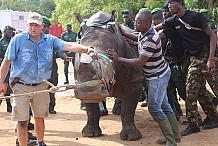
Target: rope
(55,89)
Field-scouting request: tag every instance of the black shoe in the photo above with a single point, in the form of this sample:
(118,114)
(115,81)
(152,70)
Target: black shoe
(206,120)
(210,123)
(51,111)
(31,136)
(30,126)
(67,82)
(189,130)
(30,142)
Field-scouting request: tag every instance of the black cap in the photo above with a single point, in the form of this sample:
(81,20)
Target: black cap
(127,11)
(165,6)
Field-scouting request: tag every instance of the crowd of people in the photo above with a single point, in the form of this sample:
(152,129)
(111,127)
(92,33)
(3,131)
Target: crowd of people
(177,53)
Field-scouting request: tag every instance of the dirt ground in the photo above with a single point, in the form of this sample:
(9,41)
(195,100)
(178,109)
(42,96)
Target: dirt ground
(64,128)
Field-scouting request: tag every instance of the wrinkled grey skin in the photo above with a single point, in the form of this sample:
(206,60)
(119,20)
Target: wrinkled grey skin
(128,85)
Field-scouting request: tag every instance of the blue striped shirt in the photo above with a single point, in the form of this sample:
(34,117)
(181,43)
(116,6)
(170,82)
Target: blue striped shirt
(32,61)
(149,45)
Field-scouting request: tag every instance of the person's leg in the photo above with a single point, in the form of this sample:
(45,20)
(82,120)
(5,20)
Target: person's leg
(66,65)
(9,107)
(54,81)
(40,106)
(39,128)
(193,86)
(157,100)
(22,132)
(20,113)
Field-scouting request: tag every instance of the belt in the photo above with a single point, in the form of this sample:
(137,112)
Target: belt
(34,84)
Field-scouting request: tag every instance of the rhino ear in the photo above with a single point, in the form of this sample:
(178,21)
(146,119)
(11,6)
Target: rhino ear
(113,15)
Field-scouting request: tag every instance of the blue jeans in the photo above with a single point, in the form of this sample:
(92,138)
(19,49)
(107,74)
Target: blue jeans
(158,104)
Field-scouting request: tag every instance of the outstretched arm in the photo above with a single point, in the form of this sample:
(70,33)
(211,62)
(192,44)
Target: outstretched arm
(131,36)
(137,62)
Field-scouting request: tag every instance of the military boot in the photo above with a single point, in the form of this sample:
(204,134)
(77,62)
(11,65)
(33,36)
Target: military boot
(174,124)
(190,129)
(167,131)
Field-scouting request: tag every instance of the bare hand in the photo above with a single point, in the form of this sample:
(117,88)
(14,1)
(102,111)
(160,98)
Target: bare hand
(130,42)
(210,65)
(2,89)
(112,54)
(92,50)
(69,59)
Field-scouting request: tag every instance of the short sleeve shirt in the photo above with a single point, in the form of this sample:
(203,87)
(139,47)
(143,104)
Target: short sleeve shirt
(32,61)
(149,45)
(193,40)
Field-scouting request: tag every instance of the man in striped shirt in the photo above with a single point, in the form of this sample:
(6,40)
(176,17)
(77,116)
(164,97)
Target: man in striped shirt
(157,73)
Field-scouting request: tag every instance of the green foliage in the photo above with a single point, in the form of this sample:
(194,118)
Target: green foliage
(44,7)
(196,5)
(151,4)
(65,9)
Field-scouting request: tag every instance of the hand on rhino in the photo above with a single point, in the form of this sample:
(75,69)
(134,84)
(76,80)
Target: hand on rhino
(112,54)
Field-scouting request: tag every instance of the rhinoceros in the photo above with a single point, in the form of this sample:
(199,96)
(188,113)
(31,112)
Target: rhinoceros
(99,32)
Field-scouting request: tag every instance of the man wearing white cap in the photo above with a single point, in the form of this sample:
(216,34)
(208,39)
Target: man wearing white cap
(30,56)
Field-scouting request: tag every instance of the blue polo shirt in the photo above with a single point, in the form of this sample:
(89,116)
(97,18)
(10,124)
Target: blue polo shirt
(32,61)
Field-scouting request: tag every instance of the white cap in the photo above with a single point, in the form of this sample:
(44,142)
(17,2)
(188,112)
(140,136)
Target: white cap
(34,18)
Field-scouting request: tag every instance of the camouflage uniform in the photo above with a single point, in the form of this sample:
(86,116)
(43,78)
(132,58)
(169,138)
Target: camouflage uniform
(196,89)
(68,36)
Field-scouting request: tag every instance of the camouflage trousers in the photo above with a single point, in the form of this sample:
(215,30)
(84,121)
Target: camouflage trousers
(196,87)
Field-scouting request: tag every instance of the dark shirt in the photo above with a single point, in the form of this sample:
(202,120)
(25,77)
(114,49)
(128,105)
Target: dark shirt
(4,42)
(131,25)
(192,40)
(69,37)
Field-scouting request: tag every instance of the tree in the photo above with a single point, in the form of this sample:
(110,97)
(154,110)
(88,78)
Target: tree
(65,9)
(44,7)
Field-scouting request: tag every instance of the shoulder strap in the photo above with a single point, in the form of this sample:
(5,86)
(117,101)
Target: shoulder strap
(188,26)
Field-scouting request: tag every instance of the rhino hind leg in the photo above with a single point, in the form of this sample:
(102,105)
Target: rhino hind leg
(92,128)
(117,107)
(130,134)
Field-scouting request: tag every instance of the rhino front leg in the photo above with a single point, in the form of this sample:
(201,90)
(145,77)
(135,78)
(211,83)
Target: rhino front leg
(92,128)
(129,104)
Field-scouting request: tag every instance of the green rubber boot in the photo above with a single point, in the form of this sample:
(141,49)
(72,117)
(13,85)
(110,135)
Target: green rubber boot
(167,132)
(174,124)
